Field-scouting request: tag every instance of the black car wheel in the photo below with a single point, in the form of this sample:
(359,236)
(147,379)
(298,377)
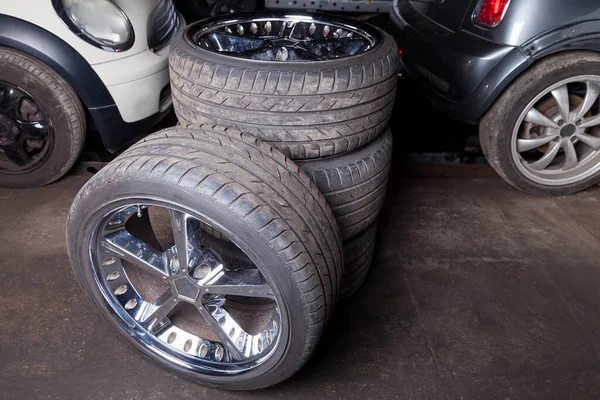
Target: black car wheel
(42,122)
(543,134)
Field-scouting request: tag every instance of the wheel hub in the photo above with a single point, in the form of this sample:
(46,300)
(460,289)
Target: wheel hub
(186,289)
(568,130)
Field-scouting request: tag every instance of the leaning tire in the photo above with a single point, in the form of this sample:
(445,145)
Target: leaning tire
(354,184)
(265,205)
(46,116)
(358,257)
(305,109)
(539,159)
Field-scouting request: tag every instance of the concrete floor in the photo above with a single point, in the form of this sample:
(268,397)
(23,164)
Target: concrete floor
(478,292)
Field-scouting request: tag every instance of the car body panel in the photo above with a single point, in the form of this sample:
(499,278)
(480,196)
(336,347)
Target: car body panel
(121,90)
(463,72)
(448,14)
(526,20)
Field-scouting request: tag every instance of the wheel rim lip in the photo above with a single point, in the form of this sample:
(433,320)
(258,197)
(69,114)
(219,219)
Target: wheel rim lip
(553,178)
(40,158)
(197,29)
(133,329)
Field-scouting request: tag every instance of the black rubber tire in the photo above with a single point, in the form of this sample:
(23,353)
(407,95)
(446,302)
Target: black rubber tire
(354,184)
(358,257)
(306,110)
(63,107)
(496,127)
(260,196)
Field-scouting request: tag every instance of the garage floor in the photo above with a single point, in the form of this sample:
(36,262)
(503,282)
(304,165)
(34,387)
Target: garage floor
(478,291)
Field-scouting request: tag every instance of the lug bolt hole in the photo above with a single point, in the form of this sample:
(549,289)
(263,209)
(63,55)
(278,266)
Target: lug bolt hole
(219,353)
(171,338)
(203,350)
(121,290)
(113,275)
(109,261)
(131,304)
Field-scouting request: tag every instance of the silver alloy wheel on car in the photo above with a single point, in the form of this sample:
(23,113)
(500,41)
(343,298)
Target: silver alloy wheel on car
(182,303)
(284,37)
(555,141)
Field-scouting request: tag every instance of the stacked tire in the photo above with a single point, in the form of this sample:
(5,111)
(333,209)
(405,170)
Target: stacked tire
(329,116)
(220,246)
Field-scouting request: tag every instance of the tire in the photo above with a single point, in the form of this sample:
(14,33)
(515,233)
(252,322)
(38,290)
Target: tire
(306,110)
(358,257)
(243,187)
(354,184)
(497,127)
(59,108)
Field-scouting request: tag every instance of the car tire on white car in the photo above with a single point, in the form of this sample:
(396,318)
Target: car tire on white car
(178,302)
(42,122)
(543,133)
(312,85)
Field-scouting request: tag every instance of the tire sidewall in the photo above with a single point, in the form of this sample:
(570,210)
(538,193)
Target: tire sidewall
(61,144)
(91,205)
(497,127)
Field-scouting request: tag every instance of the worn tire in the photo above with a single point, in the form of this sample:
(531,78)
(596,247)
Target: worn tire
(496,127)
(63,108)
(255,192)
(354,184)
(358,257)
(306,110)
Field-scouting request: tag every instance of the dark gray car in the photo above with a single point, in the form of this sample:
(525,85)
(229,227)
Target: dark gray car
(527,70)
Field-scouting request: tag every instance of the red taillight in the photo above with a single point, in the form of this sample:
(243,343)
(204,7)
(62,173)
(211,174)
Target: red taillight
(491,12)
(400,52)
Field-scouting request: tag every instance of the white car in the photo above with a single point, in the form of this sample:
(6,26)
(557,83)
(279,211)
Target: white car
(70,65)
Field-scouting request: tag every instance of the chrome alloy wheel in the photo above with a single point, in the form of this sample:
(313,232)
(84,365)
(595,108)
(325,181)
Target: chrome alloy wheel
(556,140)
(179,300)
(284,37)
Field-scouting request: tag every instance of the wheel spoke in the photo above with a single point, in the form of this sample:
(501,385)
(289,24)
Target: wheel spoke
(230,43)
(589,122)
(10,100)
(591,95)
(33,130)
(185,236)
(246,283)
(16,153)
(136,252)
(265,54)
(263,291)
(592,141)
(225,327)
(561,95)
(536,117)
(547,158)
(571,159)
(155,312)
(530,144)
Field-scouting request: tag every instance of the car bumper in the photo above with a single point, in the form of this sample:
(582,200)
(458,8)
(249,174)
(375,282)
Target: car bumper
(461,73)
(137,83)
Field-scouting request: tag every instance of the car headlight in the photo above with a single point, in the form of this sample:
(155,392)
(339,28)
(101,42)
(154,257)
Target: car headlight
(99,22)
